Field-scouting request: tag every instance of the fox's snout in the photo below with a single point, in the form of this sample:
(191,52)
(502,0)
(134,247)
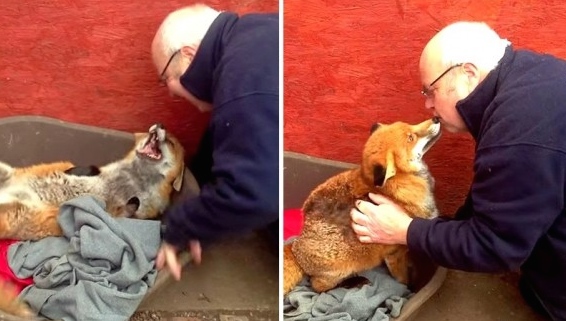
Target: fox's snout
(159,130)
(429,127)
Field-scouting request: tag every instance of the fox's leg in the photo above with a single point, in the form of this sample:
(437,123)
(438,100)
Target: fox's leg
(325,273)
(21,222)
(398,264)
(342,274)
(328,280)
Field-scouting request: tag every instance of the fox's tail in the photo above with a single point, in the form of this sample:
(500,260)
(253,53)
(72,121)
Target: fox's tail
(292,272)
(10,304)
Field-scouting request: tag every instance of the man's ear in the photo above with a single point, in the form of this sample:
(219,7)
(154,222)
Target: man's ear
(473,74)
(189,51)
(382,173)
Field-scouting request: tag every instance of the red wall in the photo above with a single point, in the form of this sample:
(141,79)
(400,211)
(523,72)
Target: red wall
(350,63)
(88,61)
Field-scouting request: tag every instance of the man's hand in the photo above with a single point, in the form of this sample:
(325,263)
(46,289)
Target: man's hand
(169,255)
(383,222)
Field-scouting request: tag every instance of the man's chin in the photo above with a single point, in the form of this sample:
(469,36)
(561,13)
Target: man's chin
(452,129)
(201,105)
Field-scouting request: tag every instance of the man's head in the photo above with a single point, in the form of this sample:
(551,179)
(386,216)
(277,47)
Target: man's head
(453,63)
(176,43)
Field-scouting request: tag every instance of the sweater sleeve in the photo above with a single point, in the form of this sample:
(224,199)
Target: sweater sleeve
(516,195)
(244,192)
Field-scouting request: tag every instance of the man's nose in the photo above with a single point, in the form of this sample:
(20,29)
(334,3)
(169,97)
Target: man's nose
(429,103)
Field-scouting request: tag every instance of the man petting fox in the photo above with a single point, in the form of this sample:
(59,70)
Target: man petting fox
(328,250)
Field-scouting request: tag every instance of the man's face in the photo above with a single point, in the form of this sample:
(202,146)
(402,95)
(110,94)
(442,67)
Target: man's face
(171,69)
(443,87)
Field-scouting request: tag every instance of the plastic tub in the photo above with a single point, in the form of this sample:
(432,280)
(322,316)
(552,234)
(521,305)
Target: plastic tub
(28,140)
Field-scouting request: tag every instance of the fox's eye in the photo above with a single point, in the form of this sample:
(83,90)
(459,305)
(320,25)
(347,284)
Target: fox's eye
(410,138)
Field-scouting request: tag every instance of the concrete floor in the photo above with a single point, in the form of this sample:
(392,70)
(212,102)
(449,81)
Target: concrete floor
(475,296)
(237,277)
(479,297)
(238,281)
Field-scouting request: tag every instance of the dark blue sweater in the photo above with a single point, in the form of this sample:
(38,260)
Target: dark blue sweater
(514,217)
(236,69)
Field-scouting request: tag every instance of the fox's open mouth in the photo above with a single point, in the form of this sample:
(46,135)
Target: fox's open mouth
(151,147)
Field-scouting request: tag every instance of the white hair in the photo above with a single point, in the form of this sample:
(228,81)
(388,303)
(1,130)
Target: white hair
(185,27)
(471,42)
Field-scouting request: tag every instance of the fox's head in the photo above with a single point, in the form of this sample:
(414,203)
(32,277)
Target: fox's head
(164,151)
(397,148)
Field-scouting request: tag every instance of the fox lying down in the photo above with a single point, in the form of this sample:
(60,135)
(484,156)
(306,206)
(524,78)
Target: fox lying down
(139,185)
(327,249)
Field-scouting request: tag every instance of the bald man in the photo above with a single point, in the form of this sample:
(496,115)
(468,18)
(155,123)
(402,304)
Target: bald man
(513,103)
(227,65)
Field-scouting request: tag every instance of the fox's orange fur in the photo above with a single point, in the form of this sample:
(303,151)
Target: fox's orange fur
(9,302)
(327,250)
(30,197)
(44,169)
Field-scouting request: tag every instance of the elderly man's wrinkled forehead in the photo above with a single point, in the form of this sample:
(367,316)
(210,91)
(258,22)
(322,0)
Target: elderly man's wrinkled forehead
(430,64)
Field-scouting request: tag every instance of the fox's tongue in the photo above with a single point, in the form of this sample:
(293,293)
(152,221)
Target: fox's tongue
(151,149)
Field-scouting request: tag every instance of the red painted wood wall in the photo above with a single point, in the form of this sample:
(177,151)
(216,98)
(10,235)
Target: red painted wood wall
(350,63)
(88,61)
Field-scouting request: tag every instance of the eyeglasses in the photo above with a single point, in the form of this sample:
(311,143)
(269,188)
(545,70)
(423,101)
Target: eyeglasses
(161,79)
(428,90)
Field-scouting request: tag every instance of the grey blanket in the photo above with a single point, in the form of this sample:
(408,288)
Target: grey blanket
(380,300)
(99,270)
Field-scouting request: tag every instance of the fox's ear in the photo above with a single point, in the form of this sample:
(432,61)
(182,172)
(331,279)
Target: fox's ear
(381,174)
(178,182)
(373,128)
(132,206)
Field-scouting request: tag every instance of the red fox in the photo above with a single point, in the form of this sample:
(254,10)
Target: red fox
(139,185)
(327,249)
